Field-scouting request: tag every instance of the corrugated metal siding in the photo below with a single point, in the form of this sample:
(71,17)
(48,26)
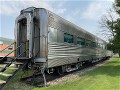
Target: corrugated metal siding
(60,54)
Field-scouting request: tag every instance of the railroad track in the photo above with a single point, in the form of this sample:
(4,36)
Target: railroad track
(37,79)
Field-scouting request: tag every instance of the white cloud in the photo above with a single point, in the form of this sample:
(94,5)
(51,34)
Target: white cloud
(60,11)
(95,10)
(101,0)
(59,8)
(14,7)
(112,0)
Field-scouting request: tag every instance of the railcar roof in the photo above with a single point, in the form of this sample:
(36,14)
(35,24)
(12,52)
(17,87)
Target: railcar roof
(79,28)
(75,26)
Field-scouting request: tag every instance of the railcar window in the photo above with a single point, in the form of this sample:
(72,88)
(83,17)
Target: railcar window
(68,38)
(88,44)
(52,35)
(80,41)
(93,44)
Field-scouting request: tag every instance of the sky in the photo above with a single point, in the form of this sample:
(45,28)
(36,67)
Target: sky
(84,13)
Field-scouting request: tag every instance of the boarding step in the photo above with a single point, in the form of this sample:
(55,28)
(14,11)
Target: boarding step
(5,74)
(2,65)
(2,82)
(12,68)
(22,58)
(14,63)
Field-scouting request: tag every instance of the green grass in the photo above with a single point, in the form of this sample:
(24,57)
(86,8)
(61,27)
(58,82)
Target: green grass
(105,77)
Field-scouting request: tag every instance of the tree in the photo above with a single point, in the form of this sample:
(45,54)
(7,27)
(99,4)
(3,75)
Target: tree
(116,40)
(113,27)
(117,6)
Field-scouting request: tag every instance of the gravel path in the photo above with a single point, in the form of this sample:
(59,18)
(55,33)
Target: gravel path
(75,75)
(67,77)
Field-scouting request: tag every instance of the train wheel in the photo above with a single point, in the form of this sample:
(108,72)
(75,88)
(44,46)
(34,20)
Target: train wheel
(59,71)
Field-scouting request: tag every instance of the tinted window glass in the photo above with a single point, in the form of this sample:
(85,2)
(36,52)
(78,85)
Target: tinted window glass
(93,44)
(88,44)
(80,41)
(68,38)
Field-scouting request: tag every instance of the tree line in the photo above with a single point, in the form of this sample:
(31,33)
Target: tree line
(112,24)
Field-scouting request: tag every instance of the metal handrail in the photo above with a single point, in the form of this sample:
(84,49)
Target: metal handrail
(12,61)
(7,47)
(12,51)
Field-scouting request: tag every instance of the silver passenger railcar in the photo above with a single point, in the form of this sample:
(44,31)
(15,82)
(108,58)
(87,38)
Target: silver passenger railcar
(54,43)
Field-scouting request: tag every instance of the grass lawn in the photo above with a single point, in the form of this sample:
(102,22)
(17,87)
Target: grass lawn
(105,77)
